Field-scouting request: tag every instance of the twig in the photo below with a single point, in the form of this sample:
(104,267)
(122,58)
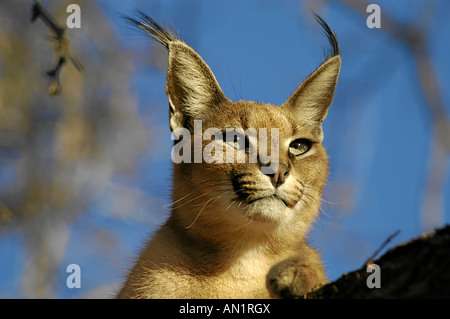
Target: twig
(387,241)
(63,49)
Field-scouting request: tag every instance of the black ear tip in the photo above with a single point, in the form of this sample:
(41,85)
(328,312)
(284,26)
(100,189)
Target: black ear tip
(331,35)
(152,28)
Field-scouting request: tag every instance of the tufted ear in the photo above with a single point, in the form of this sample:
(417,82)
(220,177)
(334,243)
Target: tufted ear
(310,102)
(192,89)
(191,86)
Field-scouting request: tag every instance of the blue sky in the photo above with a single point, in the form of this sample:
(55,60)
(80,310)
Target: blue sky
(377,132)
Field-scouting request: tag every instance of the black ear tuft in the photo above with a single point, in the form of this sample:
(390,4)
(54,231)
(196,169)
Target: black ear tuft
(163,35)
(331,35)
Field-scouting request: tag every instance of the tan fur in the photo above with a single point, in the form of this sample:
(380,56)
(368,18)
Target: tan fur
(220,241)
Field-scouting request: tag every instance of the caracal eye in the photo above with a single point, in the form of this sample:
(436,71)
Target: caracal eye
(299,147)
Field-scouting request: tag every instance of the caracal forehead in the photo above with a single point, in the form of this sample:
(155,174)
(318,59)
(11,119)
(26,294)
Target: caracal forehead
(249,114)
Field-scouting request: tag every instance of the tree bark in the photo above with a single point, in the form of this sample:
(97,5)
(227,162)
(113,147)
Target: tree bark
(419,268)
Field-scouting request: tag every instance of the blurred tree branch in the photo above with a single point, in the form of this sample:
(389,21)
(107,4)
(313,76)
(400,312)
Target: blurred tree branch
(61,158)
(63,48)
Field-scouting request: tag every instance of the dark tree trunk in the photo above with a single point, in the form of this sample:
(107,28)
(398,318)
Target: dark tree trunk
(419,268)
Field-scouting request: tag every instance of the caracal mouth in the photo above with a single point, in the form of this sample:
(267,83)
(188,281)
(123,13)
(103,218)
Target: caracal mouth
(273,197)
(273,209)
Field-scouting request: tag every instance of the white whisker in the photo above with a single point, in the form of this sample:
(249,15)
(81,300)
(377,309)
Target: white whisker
(198,214)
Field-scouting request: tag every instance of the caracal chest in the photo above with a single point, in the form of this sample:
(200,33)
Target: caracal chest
(245,278)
